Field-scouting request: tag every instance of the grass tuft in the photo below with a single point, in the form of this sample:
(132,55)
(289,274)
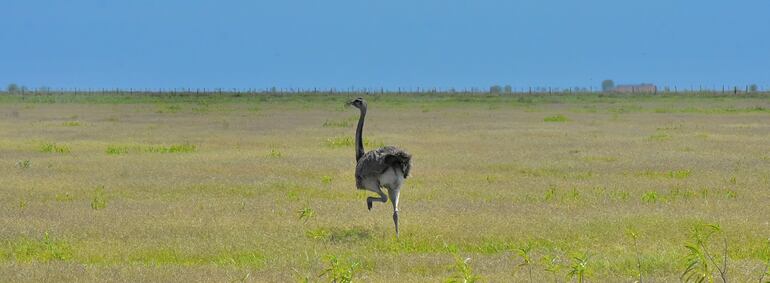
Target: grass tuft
(336,142)
(99,201)
(556,118)
(463,272)
(38,250)
(659,137)
(274,153)
(116,150)
(174,148)
(306,213)
(54,148)
(339,271)
(343,123)
(650,197)
(23,164)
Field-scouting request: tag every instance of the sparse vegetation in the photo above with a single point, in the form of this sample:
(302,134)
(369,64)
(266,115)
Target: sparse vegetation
(343,123)
(556,118)
(578,268)
(99,201)
(71,123)
(45,249)
(214,192)
(23,164)
(275,153)
(702,262)
(650,197)
(116,150)
(526,259)
(349,141)
(463,273)
(306,213)
(338,271)
(54,148)
(634,235)
(174,148)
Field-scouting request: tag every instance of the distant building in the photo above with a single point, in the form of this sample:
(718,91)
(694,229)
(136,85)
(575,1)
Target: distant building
(639,88)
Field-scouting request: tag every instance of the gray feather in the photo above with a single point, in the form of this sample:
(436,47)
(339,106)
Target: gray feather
(377,161)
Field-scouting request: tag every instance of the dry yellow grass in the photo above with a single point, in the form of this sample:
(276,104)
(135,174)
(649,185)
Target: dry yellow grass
(211,189)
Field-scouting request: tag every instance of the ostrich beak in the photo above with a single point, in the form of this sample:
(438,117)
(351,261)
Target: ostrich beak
(350,102)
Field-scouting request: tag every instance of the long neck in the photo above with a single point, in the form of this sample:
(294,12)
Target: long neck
(359,135)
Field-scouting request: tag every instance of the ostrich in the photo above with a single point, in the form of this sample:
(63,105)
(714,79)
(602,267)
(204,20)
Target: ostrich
(383,167)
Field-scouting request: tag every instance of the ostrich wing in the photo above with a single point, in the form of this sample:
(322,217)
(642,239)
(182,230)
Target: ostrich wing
(377,161)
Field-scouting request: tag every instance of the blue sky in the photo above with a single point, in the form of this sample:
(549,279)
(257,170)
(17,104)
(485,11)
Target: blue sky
(390,44)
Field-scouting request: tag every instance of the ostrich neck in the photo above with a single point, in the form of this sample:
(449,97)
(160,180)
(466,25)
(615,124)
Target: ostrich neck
(359,135)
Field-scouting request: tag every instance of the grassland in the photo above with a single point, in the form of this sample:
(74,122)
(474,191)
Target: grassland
(120,188)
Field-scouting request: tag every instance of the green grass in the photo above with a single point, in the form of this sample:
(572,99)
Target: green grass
(54,148)
(556,118)
(43,249)
(99,201)
(157,188)
(350,142)
(116,150)
(342,123)
(174,148)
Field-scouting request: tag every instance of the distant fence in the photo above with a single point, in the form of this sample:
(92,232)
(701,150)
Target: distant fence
(531,91)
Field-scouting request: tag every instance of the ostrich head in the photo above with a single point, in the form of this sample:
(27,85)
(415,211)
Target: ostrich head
(357,103)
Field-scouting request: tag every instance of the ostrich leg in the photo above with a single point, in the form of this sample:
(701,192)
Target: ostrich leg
(375,187)
(394,193)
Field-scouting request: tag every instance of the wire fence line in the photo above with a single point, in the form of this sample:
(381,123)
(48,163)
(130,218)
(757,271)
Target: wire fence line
(534,91)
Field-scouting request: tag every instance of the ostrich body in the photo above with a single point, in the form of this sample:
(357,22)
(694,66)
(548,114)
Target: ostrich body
(385,167)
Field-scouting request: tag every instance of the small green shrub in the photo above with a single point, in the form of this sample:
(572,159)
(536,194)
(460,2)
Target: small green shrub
(306,213)
(526,259)
(54,148)
(579,268)
(274,153)
(463,271)
(71,123)
(552,265)
(550,193)
(116,150)
(650,197)
(65,197)
(326,180)
(701,261)
(99,201)
(340,271)
(174,148)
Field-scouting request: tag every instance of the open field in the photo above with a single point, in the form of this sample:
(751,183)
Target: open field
(105,188)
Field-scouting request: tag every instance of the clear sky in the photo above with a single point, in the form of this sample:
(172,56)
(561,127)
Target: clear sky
(384,43)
